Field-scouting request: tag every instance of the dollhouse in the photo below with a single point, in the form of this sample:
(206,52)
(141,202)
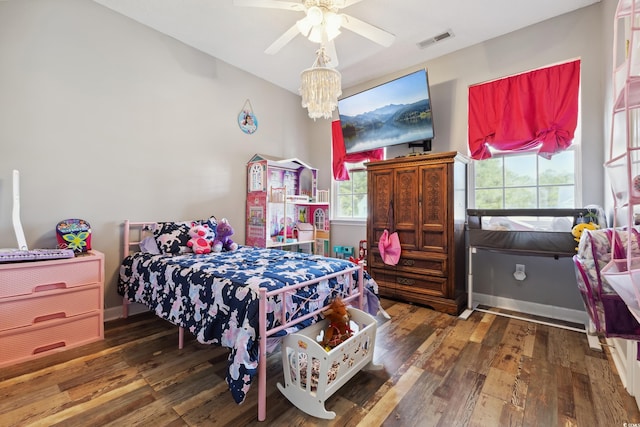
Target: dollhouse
(284,207)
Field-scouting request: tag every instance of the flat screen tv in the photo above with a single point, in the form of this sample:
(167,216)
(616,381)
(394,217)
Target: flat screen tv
(395,112)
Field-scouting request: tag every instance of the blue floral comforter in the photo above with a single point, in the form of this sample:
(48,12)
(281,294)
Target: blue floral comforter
(215,296)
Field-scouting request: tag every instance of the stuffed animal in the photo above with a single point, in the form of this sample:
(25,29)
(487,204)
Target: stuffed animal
(577,230)
(338,329)
(201,238)
(223,240)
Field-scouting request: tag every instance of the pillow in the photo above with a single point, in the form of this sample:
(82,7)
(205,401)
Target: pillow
(212,222)
(172,237)
(149,245)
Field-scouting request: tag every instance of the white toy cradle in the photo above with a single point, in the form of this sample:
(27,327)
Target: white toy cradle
(338,365)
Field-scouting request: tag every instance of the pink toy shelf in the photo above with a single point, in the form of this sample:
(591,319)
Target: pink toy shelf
(623,164)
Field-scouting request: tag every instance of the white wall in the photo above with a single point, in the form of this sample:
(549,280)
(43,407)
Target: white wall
(107,119)
(583,34)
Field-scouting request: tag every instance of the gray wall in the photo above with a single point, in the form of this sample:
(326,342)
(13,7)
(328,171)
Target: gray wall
(96,107)
(581,34)
(107,119)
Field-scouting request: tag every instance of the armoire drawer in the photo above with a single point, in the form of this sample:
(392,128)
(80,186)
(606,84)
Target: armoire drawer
(436,266)
(28,278)
(21,344)
(28,310)
(421,283)
(410,263)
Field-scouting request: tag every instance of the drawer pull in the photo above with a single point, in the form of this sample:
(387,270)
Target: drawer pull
(46,317)
(50,287)
(49,347)
(404,281)
(408,262)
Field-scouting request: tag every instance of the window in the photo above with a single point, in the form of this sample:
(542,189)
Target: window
(350,197)
(319,220)
(256,177)
(526,181)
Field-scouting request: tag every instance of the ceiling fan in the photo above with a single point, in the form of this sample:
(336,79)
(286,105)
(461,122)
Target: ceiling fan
(321,24)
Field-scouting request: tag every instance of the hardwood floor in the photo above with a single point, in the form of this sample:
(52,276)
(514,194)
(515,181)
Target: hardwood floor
(438,370)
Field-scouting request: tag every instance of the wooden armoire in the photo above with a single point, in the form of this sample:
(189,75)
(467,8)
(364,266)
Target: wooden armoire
(428,193)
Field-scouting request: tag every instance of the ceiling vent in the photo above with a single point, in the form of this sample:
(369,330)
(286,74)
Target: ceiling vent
(435,39)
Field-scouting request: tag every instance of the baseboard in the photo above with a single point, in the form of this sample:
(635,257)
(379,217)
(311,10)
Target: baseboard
(550,311)
(114,313)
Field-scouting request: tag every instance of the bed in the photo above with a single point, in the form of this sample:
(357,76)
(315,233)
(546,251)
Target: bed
(233,298)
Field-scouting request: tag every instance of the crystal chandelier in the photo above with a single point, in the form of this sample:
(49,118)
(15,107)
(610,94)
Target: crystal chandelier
(320,87)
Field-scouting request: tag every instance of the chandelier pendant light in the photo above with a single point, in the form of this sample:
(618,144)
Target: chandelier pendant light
(320,87)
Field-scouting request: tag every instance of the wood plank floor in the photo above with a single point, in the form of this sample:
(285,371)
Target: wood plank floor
(438,371)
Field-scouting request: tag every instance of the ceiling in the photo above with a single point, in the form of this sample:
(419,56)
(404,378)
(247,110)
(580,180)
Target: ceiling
(240,35)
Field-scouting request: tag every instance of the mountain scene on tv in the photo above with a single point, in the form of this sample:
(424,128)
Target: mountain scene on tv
(388,125)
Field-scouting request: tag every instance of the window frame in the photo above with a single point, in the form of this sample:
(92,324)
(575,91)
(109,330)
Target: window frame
(577,166)
(335,195)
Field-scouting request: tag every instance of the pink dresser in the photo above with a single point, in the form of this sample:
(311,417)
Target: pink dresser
(49,306)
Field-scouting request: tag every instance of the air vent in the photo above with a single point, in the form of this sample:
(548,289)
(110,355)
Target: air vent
(435,39)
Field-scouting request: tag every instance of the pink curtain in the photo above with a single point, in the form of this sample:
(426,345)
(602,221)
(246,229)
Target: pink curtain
(521,112)
(340,157)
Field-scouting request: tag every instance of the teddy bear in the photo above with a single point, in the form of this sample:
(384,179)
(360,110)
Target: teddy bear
(200,238)
(338,330)
(577,230)
(223,240)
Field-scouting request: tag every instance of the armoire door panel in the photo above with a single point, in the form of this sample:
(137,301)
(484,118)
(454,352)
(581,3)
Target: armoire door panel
(434,195)
(406,210)
(434,241)
(408,239)
(406,203)
(380,198)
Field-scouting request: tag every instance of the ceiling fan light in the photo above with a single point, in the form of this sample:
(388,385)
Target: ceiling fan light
(315,15)
(304,26)
(332,33)
(333,21)
(315,35)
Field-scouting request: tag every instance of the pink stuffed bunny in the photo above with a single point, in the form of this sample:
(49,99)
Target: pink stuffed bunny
(198,242)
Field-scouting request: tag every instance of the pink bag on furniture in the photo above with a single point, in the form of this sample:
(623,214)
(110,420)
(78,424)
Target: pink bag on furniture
(389,245)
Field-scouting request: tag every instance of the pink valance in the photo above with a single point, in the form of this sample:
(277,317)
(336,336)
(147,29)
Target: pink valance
(340,157)
(534,109)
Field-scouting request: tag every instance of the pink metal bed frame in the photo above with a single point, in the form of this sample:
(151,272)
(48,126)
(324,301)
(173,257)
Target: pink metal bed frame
(353,294)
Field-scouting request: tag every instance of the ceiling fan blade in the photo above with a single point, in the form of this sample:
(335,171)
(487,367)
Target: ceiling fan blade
(273,4)
(369,31)
(304,26)
(330,50)
(348,3)
(289,35)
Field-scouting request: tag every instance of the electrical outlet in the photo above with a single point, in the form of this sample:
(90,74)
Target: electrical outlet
(519,273)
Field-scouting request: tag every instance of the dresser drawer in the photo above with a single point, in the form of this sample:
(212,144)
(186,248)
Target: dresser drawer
(385,279)
(434,266)
(20,344)
(45,306)
(27,278)
(420,283)
(417,263)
